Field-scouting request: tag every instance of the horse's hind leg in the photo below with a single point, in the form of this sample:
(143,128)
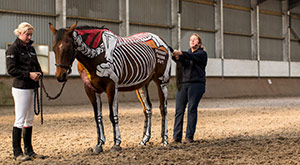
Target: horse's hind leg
(163,94)
(143,96)
(95,99)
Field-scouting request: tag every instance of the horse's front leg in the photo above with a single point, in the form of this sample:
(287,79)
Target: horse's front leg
(99,123)
(143,96)
(95,99)
(163,94)
(112,95)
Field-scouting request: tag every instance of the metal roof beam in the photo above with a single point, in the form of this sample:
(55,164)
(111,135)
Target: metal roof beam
(293,4)
(260,1)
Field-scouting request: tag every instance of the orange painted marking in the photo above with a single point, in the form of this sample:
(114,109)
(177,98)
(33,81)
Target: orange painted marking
(139,97)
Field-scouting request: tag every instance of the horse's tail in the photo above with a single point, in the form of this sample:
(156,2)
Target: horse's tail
(169,65)
(159,43)
(178,71)
(167,73)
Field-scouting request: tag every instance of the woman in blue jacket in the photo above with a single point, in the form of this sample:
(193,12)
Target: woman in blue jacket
(191,86)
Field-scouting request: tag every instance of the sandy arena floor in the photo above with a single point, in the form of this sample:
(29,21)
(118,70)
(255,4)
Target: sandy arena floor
(229,131)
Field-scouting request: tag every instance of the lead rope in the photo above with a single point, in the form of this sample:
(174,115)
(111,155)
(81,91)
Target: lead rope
(47,94)
(37,106)
(38,101)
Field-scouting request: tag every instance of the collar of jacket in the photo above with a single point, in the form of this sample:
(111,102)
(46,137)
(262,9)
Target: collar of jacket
(19,42)
(190,50)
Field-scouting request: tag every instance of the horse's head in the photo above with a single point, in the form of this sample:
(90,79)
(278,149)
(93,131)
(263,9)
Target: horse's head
(63,47)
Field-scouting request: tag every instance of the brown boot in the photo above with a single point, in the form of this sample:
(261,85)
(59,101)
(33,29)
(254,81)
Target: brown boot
(176,141)
(188,141)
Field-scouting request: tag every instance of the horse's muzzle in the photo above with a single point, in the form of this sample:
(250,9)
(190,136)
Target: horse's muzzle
(63,77)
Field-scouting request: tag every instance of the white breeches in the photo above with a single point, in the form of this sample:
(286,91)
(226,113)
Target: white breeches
(24,112)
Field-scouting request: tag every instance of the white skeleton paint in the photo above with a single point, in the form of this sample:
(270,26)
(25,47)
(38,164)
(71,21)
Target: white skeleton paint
(105,70)
(110,42)
(133,60)
(86,50)
(117,65)
(99,120)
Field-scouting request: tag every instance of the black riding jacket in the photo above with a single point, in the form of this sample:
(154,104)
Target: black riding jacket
(191,67)
(20,60)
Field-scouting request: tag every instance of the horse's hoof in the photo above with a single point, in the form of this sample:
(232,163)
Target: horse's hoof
(97,149)
(165,143)
(142,143)
(115,148)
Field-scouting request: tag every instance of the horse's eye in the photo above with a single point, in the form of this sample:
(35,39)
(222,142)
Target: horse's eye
(54,47)
(67,42)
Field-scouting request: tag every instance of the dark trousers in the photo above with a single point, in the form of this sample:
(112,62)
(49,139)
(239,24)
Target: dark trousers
(191,94)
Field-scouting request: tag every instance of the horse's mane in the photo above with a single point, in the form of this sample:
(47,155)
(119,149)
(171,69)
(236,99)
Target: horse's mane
(90,27)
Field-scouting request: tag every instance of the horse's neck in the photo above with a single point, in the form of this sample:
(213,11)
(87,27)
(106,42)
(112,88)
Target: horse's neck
(84,54)
(86,62)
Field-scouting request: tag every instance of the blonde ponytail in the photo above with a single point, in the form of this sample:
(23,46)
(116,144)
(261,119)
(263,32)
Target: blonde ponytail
(22,28)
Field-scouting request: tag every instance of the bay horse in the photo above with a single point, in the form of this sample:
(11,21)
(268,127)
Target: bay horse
(115,64)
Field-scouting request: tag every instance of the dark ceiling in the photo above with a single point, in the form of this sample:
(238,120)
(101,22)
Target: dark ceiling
(292,3)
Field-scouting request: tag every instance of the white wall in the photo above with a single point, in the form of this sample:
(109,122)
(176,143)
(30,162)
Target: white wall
(214,67)
(274,69)
(51,63)
(295,69)
(232,68)
(52,67)
(240,68)
(2,62)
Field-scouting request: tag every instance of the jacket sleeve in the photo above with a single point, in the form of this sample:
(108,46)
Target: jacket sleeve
(11,64)
(199,56)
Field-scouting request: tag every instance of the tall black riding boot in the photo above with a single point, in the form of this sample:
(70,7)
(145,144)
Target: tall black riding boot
(28,150)
(27,133)
(16,143)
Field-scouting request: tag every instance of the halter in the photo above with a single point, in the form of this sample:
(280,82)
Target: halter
(66,67)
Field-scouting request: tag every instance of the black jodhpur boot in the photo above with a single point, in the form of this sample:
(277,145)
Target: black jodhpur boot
(16,144)
(28,150)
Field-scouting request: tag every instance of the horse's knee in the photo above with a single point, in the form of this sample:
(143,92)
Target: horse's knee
(114,119)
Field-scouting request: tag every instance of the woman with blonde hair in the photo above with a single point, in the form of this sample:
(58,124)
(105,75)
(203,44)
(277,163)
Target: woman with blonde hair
(190,76)
(23,65)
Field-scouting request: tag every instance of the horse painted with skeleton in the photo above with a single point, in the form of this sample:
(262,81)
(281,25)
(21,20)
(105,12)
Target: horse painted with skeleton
(115,64)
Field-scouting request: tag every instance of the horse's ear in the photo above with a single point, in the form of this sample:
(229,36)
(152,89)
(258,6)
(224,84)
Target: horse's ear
(73,27)
(52,28)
